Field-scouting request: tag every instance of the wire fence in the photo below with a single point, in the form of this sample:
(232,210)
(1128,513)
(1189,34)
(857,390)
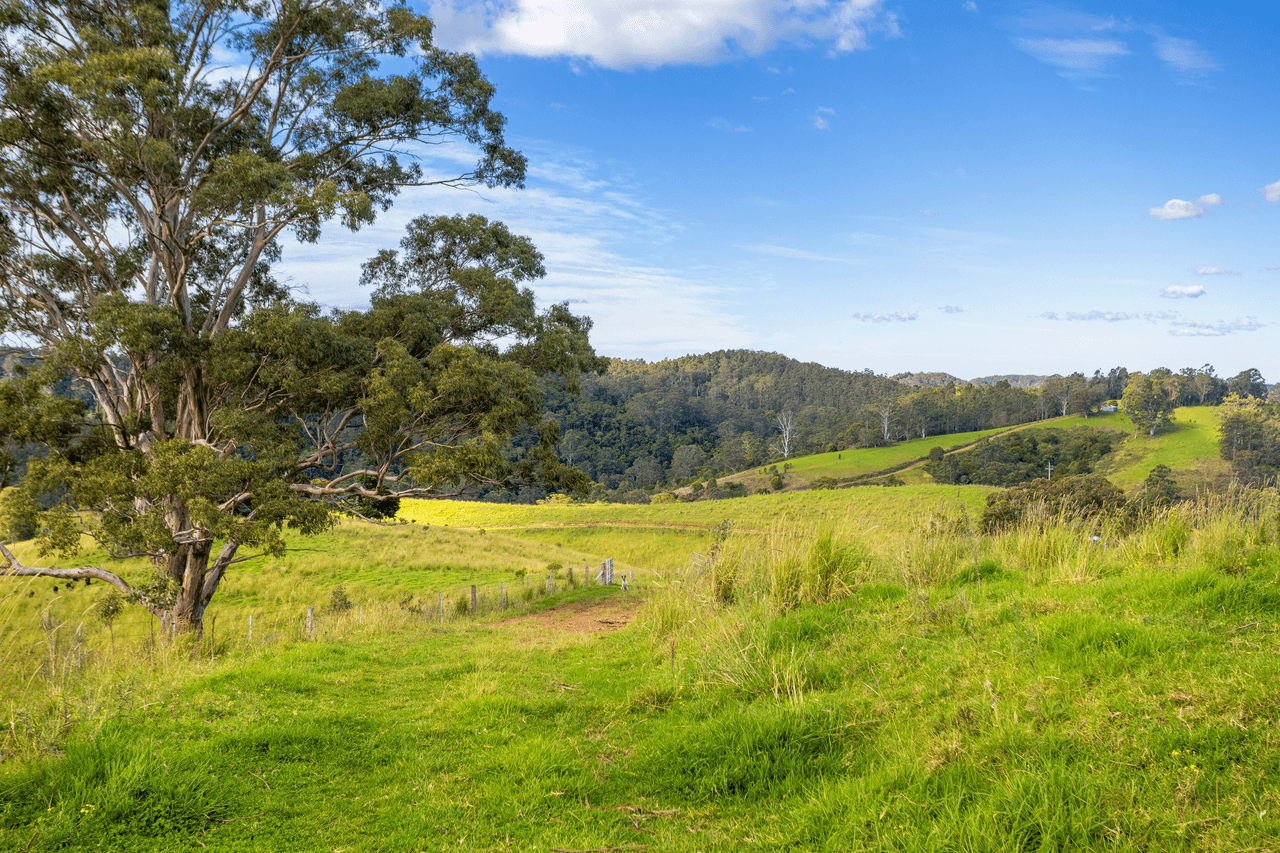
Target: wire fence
(60,650)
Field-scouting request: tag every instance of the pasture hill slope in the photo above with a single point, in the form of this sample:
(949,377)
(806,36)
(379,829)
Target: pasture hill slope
(1188,446)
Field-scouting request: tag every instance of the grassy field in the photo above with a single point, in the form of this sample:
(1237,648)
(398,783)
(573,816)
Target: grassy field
(932,691)
(855,669)
(411,568)
(662,536)
(857,462)
(1189,446)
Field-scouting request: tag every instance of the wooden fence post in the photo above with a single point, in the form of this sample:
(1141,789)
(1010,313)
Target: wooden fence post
(311,621)
(473,599)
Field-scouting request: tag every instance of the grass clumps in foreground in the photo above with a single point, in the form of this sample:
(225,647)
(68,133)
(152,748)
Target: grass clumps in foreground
(814,689)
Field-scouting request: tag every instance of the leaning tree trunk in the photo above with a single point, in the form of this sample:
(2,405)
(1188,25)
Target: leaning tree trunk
(188,567)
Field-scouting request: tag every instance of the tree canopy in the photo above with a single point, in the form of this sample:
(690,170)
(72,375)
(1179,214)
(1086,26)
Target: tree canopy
(155,154)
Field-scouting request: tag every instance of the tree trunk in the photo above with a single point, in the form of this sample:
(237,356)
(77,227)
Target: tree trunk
(188,567)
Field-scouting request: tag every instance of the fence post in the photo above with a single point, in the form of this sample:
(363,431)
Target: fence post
(473,599)
(360,614)
(311,620)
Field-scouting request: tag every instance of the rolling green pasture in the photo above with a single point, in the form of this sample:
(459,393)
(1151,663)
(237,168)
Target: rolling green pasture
(846,464)
(377,566)
(1034,691)
(662,536)
(859,461)
(1189,446)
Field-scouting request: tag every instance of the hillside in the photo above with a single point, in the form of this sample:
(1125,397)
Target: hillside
(1017,380)
(927,380)
(859,670)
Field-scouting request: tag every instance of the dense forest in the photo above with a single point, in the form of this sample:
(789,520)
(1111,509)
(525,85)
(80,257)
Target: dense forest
(1008,460)
(644,425)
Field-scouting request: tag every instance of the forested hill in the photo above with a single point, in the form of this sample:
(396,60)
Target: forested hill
(735,387)
(626,426)
(927,380)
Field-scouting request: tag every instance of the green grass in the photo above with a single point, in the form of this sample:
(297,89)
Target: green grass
(860,461)
(411,565)
(662,536)
(858,670)
(1189,446)
(986,711)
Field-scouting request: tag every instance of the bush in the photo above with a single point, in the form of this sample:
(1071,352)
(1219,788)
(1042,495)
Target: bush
(1087,497)
(16,514)
(339,602)
(776,483)
(822,483)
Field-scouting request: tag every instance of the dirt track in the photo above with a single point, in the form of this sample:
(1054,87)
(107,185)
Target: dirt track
(590,616)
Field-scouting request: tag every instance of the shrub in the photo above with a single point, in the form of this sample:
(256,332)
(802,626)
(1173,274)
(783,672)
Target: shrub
(1086,497)
(339,601)
(775,482)
(822,483)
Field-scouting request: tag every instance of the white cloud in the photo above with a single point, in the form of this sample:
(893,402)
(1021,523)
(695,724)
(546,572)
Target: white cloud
(1077,57)
(1199,329)
(1178,291)
(820,123)
(628,34)
(1184,56)
(952,309)
(896,316)
(1213,271)
(926,213)
(1109,316)
(597,236)
(721,124)
(970,6)
(798,254)
(1271,192)
(1176,208)
(828,110)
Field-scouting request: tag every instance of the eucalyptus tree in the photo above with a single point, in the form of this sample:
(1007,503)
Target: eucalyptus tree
(1148,401)
(156,153)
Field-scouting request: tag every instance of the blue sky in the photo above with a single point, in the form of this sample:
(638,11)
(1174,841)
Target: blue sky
(971,187)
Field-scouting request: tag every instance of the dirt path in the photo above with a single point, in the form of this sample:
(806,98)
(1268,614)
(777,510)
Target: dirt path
(589,616)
